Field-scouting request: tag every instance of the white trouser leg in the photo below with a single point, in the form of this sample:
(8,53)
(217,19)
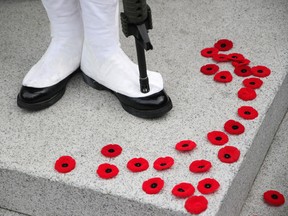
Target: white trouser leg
(64,53)
(102,58)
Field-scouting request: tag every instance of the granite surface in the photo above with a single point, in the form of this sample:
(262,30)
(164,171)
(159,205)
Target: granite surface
(85,120)
(5,212)
(273,175)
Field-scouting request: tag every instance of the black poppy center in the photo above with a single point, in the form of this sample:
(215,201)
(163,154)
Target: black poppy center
(111,150)
(243,70)
(260,71)
(209,68)
(223,77)
(209,52)
(154,185)
(138,164)
(181,190)
(163,164)
(227,156)
(235,127)
(65,165)
(274,196)
(218,138)
(223,45)
(201,167)
(207,185)
(247,113)
(108,170)
(252,83)
(235,57)
(185,145)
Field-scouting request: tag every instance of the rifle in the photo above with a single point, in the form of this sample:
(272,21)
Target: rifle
(136,20)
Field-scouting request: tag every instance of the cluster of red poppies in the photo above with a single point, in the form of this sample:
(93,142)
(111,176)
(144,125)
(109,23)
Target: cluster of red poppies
(241,68)
(194,204)
(240,63)
(230,154)
(197,204)
(227,154)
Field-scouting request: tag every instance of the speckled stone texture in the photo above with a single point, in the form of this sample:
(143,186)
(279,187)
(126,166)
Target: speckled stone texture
(85,120)
(273,175)
(4,212)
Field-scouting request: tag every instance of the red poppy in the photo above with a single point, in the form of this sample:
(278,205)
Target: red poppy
(111,150)
(196,204)
(253,83)
(183,190)
(236,57)
(241,63)
(223,45)
(209,52)
(223,77)
(208,186)
(107,171)
(185,145)
(65,164)
(247,112)
(247,94)
(260,71)
(220,57)
(163,163)
(274,198)
(243,71)
(217,137)
(209,69)
(137,164)
(153,185)
(200,166)
(228,154)
(234,127)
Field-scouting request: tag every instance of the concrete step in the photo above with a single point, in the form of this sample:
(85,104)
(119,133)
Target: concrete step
(5,212)
(85,120)
(272,176)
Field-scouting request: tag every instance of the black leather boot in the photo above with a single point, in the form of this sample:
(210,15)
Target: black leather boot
(152,106)
(40,98)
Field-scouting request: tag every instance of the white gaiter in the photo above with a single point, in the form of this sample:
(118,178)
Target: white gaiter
(64,53)
(103,59)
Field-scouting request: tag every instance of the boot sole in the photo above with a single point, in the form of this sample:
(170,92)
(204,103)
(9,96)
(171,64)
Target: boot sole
(149,114)
(40,105)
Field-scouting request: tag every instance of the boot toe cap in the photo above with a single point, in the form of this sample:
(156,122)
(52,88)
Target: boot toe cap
(32,95)
(152,106)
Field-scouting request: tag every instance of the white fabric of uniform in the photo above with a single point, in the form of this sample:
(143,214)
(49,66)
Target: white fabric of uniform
(64,53)
(102,58)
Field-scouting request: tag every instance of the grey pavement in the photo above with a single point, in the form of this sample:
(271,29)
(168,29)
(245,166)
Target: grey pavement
(5,212)
(84,120)
(273,175)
